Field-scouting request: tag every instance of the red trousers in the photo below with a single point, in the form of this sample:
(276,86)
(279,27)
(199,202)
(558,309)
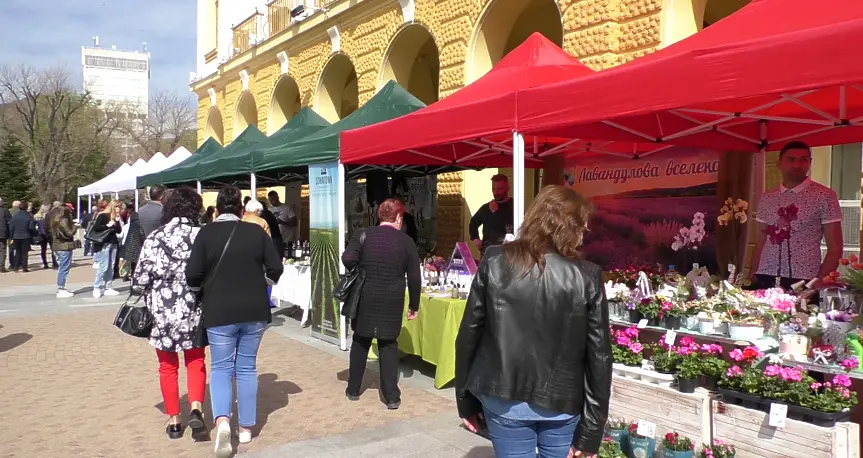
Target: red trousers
(196,377)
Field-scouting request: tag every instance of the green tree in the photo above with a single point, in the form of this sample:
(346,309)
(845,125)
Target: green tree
(15,182)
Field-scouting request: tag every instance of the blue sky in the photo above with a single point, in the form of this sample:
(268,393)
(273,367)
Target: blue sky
(50,32)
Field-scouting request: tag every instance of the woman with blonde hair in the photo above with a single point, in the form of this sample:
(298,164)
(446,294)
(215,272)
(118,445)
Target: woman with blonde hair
(535,296)
(44,234)
(106,223)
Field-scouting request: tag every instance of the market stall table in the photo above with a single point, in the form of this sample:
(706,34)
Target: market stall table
(295,287)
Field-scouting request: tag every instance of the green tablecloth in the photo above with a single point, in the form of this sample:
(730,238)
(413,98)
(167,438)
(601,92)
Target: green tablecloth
(432,335)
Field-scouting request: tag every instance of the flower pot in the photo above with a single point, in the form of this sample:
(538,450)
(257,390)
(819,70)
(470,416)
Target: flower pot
(634,316)
(748,333)
(795,345)
(673,322)
(844,326)
(618,435)
(641,447)
(652,321)
(677,454)
(709,383)
(691,322)
(687,385)
(711,327)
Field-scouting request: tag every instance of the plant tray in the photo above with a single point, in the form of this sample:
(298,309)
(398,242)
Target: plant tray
(815,417)
(637,373)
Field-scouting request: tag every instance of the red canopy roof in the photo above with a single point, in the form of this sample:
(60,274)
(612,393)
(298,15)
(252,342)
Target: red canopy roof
(471,127)
(775,71)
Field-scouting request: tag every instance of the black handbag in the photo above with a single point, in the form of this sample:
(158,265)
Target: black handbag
(137,321)
(349,286)
(200,339)
(98,236)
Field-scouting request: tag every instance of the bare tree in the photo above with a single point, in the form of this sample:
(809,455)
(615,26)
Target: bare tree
(171,122)
(66,135)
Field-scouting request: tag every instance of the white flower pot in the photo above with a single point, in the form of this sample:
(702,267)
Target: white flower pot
(709,327)
(794,345)
(748,333)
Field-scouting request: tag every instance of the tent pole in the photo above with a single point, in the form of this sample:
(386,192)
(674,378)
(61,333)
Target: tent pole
(78,206)
(343,333)
(518,178)
(199,187)
(89,203)
(136,200)
(253,184)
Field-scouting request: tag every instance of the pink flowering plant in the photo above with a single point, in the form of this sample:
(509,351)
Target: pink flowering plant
(718,449)
(712,364)
(626,348)
(665,357)
(832,396)
(690,367)
(651,307)
(742,376)
(777,305)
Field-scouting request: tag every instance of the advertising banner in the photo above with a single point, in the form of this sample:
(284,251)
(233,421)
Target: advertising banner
(661,209)
(420,198)
(324,241)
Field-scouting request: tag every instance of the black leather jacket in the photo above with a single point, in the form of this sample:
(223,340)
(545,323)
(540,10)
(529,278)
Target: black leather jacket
(542,339)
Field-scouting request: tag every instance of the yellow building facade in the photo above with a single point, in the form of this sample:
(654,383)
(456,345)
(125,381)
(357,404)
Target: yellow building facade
(334,55)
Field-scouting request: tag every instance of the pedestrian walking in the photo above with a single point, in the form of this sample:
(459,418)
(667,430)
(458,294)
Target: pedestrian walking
(43,236)
(106,223)
(161,276)
(227,260)
(5,234)
(62,236)
(535,296)
(23,227)
(386,255)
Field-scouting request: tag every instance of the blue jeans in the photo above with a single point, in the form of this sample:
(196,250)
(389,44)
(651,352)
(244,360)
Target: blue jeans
(64,259)
(105,273)
(86,247)
(520,438)
(234,350)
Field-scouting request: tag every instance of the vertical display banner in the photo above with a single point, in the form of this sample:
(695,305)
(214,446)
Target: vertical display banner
(324,240)
(420,198)
(642,205)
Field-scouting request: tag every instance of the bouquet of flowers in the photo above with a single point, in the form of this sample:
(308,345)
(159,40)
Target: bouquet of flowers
(675,443)
(627,349)
(717,449)
(850,274)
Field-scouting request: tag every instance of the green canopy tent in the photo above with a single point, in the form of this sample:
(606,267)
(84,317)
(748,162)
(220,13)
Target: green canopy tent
(208,148)
(188,172)
(234,166)
(276,162)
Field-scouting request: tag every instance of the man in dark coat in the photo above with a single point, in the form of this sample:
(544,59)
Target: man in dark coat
(5,233)
(150,215)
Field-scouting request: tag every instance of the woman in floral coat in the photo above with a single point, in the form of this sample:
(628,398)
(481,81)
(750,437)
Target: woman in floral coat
(160,276)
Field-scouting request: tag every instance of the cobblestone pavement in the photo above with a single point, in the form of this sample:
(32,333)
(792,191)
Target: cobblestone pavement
(73,386)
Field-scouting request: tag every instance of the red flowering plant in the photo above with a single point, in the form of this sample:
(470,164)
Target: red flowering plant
(629,275)
(742,376)
(718,449)
(850,274)
(652,307)
(633,432)
(609,448)
(626,348)
(677,443)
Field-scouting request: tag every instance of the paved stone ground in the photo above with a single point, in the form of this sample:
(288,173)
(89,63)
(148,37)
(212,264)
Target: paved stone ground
(71,385)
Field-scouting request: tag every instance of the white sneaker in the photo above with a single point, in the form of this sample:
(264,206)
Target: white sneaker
(64,294)
(111,292)
(245,436)
(97,293)
(224,449)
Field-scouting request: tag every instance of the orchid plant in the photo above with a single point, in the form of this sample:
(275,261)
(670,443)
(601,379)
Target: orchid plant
(733,211)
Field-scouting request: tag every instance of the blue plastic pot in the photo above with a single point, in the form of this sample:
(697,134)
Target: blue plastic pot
(620,436)
(676,454)
(641,447)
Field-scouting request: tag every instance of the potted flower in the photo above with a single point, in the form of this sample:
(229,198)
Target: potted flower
(627,350)
(676,446)
(674,313)
(617,430)
(689,371)
(793,339)
(742,377)
(718,449)
(745,324)
(665,358)
(834,399)
(713,367)
(840,319)
(610,449)
(650,308)
(617,294)
(640,446)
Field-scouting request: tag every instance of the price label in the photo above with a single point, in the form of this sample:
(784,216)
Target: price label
(642,324)
(646,429)
(778,413)
(670,337)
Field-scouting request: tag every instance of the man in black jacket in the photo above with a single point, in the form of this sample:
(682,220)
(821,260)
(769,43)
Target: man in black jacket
(5,233)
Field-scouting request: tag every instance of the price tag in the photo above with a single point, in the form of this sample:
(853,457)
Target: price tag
(646,429)
(778,413)
(670,337)
(642,324)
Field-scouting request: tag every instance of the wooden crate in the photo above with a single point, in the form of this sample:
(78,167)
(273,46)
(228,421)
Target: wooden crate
(748,430)
(669,409)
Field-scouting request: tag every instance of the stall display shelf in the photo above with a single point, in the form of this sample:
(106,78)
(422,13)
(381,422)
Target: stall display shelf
(764,344)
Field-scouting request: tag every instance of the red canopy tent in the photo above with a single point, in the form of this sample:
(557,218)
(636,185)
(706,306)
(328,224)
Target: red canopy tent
(775,71)
(472,127)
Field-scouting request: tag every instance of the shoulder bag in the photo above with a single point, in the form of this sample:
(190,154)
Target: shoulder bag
(348,287)
(98,236)
(200,337)
(137,321)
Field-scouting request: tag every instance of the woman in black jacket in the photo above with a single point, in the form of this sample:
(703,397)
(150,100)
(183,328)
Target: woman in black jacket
(228,263)
(533,353)
(387,254)
(23,226)
(105,253)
